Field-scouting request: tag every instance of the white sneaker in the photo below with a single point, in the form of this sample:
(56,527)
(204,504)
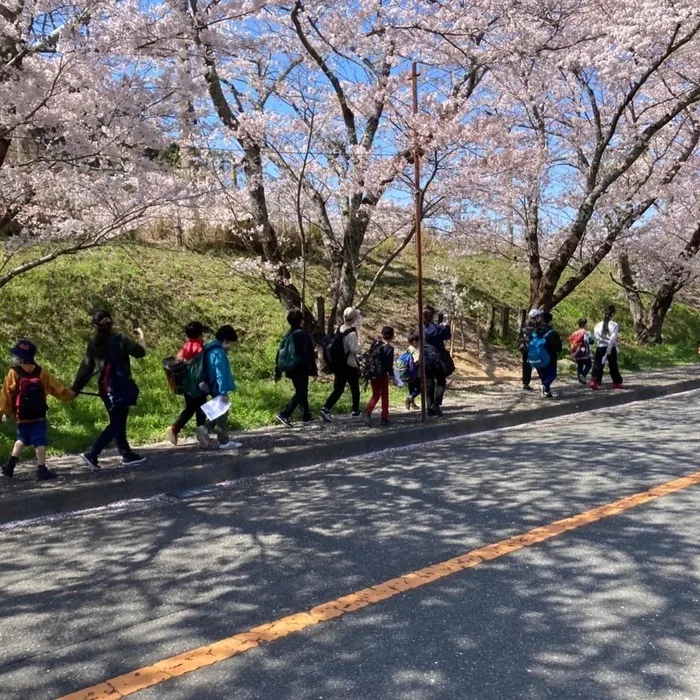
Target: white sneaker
(230,445)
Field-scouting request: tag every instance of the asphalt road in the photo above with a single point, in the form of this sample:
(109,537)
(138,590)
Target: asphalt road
(609,610)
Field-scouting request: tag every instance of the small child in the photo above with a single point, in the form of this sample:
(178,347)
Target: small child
(221,382)
(580,350)
(413,384)
(193,404)
(23,396)
(380,383)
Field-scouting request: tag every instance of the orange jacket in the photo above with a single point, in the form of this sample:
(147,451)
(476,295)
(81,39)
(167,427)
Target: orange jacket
(8,394)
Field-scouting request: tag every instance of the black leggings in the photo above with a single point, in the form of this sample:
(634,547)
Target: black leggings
(193,407)
(300,398)
(435,383)
(349,375)
(527,369)
(116,430)
(611,362)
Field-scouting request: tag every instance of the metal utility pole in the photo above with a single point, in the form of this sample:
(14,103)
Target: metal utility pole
(418,195)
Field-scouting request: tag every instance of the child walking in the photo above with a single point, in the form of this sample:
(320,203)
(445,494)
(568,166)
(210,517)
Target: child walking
(296,359)
(580,350)
(380,382)
(605,334)
(221,382)
(546,336)
(409,374)
(23,396)
(193,404)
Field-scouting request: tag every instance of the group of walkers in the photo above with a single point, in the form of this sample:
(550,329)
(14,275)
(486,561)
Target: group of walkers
(201,371)
(540,345)
(340,356)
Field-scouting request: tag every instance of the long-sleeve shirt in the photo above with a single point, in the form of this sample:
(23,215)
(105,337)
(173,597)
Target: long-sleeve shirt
(96,355)
(351,344)
(304,348)
(10,387)
(219,374)
(436,334)
(609,339)
(552,343)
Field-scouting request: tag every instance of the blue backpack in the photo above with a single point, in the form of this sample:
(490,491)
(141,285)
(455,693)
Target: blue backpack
(406,367)
(537,354)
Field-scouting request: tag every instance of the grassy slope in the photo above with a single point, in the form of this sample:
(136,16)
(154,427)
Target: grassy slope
(165,289)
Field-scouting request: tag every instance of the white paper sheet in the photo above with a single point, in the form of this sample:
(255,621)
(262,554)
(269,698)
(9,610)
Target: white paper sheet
(215,408)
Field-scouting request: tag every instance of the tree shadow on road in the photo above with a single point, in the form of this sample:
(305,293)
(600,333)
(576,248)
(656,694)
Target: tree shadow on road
(88,599)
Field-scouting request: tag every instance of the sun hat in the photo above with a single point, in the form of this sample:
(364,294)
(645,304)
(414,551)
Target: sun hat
(25,350)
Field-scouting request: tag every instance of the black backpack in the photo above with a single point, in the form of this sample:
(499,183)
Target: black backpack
(116,384)
(30,401)
(334,356)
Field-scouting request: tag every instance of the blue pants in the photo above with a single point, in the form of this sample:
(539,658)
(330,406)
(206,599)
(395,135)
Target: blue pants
(547,375)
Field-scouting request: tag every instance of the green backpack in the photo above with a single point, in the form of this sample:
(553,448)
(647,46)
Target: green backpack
(287,357)
(187,376)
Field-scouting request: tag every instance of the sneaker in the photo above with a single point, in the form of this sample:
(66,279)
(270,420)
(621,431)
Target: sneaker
(438,409)
(527,387)
(44,474)
(581,380)
(230,445)
(202,436)
(8,470)
(132,459)
(414,405)
(617,386)
(356,414)
(547,395)
(408,403)
(386,423)
(285,421)
(90,461)
(171,436)
(595,386)
(367,417)
(326,415)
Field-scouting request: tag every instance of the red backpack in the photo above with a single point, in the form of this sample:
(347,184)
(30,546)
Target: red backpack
(30,401)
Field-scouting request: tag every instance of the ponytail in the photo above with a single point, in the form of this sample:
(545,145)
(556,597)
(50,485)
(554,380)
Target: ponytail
(609,313)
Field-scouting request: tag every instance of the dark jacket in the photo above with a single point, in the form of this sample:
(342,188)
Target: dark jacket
(304,347)
(96,354)
(552,343)
(436,335)
(528,328)
(386,353)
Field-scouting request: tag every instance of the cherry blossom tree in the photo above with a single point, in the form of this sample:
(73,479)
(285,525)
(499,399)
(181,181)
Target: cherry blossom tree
(590,101)
(82,123)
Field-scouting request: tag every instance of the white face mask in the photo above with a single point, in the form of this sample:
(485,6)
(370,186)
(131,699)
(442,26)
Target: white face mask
(17,360)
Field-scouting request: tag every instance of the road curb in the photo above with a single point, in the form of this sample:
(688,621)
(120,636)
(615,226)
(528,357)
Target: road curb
(182,474)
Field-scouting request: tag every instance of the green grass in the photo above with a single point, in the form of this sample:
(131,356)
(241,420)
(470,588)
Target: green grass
(165,289)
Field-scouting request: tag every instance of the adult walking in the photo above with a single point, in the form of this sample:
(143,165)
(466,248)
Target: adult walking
(108,355)
(435,335)
(296,359)
(346,371)
(605,334)
(526,333)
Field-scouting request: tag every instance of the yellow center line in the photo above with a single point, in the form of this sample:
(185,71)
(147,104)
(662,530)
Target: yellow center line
(193,660)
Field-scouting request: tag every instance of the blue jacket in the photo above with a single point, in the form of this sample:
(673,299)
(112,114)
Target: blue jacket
(218,369)
(436,335)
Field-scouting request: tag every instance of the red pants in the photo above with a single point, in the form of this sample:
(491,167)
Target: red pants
(380,390)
